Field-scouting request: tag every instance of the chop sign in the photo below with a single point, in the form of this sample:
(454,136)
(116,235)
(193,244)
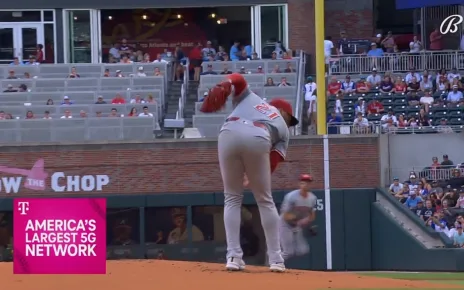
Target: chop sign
(450,24)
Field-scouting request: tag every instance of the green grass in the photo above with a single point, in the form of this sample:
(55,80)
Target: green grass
(433,277)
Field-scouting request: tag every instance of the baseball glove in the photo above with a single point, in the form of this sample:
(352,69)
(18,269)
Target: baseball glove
(217,97)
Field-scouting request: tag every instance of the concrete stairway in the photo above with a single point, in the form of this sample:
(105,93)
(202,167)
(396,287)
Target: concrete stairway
(172,99)
(192,98)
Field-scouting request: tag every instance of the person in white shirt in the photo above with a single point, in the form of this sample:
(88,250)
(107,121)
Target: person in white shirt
(119,74)
(338,105)
(374,79)
(348,86)
(360,107)
(114,52)
(140,72)
(388,120)
(67,115)
(396,186)
(310,100)
(426,100)
(328,48)
(415,45)
(455,96)
(453,75)
(145,112)
(47,115)
(159,59)
(208,51)
(412,74)
(360,124)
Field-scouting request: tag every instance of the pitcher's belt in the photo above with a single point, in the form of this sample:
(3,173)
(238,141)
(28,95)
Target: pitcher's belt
(256,124)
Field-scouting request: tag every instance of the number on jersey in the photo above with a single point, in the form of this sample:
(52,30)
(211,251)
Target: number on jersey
(265,109)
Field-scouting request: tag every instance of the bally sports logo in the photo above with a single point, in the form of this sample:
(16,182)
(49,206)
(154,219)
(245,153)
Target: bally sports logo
(36,179)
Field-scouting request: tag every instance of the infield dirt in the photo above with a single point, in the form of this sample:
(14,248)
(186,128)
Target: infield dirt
(156,274)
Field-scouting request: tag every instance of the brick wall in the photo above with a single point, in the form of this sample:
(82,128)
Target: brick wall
(192,166)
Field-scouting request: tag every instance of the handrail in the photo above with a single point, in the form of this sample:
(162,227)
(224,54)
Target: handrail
(300,81)
(377,128)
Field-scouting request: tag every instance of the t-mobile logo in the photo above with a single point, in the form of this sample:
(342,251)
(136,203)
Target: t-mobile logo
(23,207)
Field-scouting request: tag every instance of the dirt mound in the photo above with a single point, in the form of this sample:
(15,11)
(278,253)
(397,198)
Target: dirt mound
(156,274)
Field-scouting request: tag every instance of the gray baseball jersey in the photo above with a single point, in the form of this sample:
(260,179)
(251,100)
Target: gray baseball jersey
(301,206)
(251,108)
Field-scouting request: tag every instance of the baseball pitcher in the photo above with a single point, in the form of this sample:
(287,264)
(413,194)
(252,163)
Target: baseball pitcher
(252,142)
(297,212)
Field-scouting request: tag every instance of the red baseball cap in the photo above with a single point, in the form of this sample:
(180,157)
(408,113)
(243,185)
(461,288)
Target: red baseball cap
(306,177)
(285,106)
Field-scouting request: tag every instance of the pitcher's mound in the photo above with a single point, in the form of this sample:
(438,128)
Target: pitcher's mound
(156,274)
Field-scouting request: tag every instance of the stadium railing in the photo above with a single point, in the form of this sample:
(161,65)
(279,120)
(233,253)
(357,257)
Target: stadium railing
(346,128)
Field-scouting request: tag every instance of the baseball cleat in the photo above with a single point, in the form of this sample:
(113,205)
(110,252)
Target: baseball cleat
(235,264)
(277,267)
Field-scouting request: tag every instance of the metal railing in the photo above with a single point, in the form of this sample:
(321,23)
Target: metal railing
(347,128)
(430,174)
(396,62)
(300,81)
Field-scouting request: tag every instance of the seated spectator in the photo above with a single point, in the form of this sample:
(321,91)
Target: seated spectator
(362,86)
(29,115)
(119,74)
(413,123)
(209,71)
(208,51)
(375,51)
(441,73)
(332,121)
(276,69)
(387,86)
(348,87)
(418,209)
(426,101)
(396,187)
(133,112)
(423,119)
(338,104)
(118,99)
(375,107)
(254,56)
(442,84)
(150,99)
(73,73)
(141,73)
(426,84)
(451,197)
(98,114)
(49,102)
(400,86)
(413,199)
(32,61)
(438,223)
(146,58)
(67,115)
(243,55)
(426,76)
(458,238)
(286,55)
(137,100)
(360,124)
(66,101)
(460,201)
(402,123)
(83,114)
(226,71)
(374,79)
(260,70)
(284,83)
(403,194)
(226,57)
(360,107)
(454,74)
(16,61)
(157,72)
(456,82)
(114,113)
(334,87)
(204,96)
(11,75)
(444,127)
(412,74)
(413,86)
(27,75)
(242,70)
(289,68)
(145,112)
(125,59)
(47,115)
(22,88)
(274,55)
(106,74)
(428,211)
(100,100)
(10,89)
(454,97)
(269,83)
(388,120)
(220,54)
(413,99)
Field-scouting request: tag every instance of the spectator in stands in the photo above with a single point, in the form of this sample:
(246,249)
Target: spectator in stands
(119,74)
(436,40)
(195,57)
(276,69)
(388,42)
(66,101)
(16,61)
(114,52)
(146,58)
(410,75)
(348,87)
(286,55)
(412,122)
(100,101)
(83,114)
(178,66)
(2,115)
(283,82)
(402,123)
(419,208)
(413,199)
(150,99)
(460,201)
(362,87)
(67,115)
(10,89)
(133,112)
(403,195)
(360,107)
(442,84)
(456,82)
(428,211)
(118,99)
(47,115)
(22,88)
(243,55)
(446,161)
(220,54)
(73,73)
(386,86)
(413,86)
(32,61)
(396,187)
(11,75)
(343,45)
(137,100)
(332,121)
(235,51)
(426,84)
(254,56)
(458,238)
(400,86)
(209,71)
(378,40)
(226,71)
(157,72)
(438,223)
(415,46)
(374,79)
(114,113)
(269,82)
(388,120)
(49,102)
(423,119)
(205,94)
(360,124)
(159,59)
(140,72)
(435,188)
(441,73)
(274,55)
(375,51)
(29,115)
(98,114)
(260,70)
(27,75)
(426,75)
(145,112)
(289,68)
(124,48)
(454,74)
(106,74)
(451,197)
(443,127)
(125,59)
(454,97)
(338,104)
(334,87)
(456,181)
(375,107)
(413,99)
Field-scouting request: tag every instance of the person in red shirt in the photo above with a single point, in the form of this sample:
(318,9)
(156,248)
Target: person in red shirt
(334,87)
(118,100)
(435,40)
(39,56)
(375,107)
(196,57)
(400,86)
(362,86)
